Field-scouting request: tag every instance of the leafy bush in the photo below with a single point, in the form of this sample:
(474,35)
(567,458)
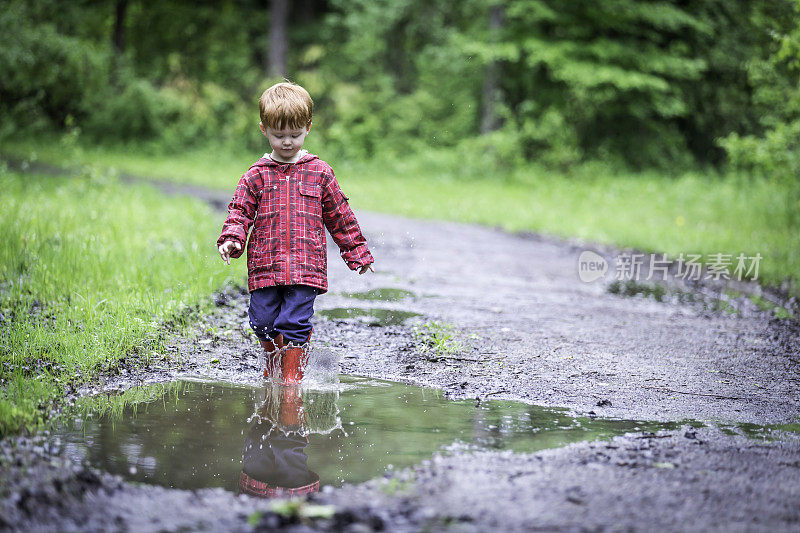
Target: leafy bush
(636,84)
(180,113)
(46,75)
(774,154)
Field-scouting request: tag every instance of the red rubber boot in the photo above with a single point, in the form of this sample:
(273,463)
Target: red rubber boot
(272,355)
(291,412)
(294,360)
(292,365)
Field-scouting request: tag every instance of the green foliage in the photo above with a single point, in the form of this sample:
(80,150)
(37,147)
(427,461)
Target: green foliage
(88,280)
(301,510)
(775,155)
(179,114)
(618,80)
(113,405)
(774,152)
(254,518)
(438,338)
(218,42)
(689,213)
(584,88)
(47,75)
(778,310)
(401,484)
(58,76)
(384,72)
(635,83)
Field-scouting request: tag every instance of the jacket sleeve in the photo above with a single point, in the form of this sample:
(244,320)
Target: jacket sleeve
(241,213)
(342,224)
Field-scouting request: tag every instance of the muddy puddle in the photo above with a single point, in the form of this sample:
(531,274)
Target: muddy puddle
(194,434)
(385,294)
(371,316)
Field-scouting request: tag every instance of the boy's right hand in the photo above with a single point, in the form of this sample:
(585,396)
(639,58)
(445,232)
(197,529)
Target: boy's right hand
(226,248)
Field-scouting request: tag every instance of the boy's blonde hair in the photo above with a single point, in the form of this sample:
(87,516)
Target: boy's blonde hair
(285,105)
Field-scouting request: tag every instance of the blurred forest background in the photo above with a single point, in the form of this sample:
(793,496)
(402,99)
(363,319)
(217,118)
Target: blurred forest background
(667,85)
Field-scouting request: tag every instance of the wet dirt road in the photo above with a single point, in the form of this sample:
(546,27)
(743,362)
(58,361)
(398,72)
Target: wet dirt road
(531,330)
(548,338)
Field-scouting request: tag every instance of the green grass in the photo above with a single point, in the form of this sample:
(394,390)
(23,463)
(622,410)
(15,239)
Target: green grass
(691,213)
(437,338)
(90,272)
(112,405)
(766,305)
(209,167)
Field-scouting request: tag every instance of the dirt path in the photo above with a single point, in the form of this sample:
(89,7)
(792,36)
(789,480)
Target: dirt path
(533,331)
(548,338)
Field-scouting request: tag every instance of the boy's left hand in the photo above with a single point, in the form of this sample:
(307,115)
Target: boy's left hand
(366,268)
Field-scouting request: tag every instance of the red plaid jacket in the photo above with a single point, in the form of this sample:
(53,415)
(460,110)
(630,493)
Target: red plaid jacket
(289,206)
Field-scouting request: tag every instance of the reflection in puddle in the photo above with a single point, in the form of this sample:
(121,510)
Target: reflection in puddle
(274,460)
(375,317)
(756,431)
(273,439)
(381,294)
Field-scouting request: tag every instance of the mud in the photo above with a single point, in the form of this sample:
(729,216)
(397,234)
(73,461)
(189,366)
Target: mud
(687,480)
(528,329)
(545,337)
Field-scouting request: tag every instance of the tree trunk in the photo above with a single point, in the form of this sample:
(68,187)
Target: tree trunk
(308,10)
(278,38)
(119,27)
(491,80)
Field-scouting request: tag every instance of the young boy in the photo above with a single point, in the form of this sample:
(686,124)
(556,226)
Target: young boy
(289,197)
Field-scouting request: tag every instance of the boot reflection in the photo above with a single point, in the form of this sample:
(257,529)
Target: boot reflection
(274,462)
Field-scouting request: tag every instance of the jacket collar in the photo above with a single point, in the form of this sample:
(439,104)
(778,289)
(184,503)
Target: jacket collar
(267,161)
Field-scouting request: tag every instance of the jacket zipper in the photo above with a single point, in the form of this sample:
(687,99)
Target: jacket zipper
(288,229)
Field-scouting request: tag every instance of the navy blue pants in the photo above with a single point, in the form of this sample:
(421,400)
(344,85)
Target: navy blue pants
(284,309)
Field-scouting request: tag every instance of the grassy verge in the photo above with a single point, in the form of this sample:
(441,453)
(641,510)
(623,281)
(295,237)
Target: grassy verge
(212,167)
(90,271)
(692,213)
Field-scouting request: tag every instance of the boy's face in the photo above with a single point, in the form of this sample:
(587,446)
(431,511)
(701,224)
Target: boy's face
(286,142)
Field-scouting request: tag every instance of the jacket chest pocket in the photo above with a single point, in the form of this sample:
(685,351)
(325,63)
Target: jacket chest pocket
(269,204)
(310,200)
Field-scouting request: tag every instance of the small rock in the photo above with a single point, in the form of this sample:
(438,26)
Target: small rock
(604,403)
(269,522)
(666,465)
(359,528)
(575,495)
(342,519)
